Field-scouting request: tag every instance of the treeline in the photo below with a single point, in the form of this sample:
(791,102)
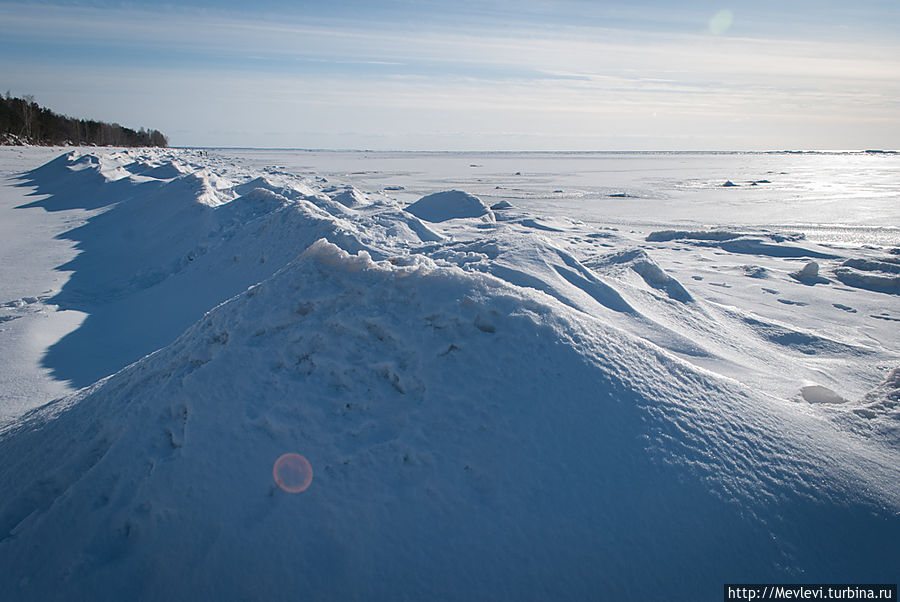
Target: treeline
(23,121)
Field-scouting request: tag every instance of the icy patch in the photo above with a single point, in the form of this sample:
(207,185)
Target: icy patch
(820,394)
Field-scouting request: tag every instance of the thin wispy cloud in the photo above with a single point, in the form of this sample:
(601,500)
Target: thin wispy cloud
(593,79)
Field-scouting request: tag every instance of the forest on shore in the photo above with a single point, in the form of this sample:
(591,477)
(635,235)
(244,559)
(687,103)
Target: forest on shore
(23,121)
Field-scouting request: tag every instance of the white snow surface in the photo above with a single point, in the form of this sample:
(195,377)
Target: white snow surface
(449,204)
(530,407)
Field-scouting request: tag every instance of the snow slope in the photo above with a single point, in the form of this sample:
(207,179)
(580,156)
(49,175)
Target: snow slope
(528,408)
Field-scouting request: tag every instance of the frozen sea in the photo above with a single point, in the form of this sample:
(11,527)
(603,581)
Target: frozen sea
(847,197)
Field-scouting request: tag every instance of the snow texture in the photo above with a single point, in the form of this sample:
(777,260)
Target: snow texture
(527,409)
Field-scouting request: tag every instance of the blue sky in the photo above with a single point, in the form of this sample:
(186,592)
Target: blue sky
(458,75)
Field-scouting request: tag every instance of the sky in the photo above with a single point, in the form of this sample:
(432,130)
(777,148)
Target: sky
(466,74)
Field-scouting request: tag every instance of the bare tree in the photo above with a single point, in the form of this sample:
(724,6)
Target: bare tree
(28,115)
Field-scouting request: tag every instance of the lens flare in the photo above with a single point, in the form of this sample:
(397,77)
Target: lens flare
(292,473)
(721,22)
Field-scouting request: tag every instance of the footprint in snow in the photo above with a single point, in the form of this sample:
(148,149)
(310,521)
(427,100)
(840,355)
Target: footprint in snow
(885,317)
(790,302)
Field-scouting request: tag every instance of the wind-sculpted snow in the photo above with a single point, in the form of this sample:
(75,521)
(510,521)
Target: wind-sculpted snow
(765,244)
(654,276)
(490,410)
(880,276)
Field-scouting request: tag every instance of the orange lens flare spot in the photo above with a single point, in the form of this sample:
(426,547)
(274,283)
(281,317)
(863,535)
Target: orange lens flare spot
(292,473)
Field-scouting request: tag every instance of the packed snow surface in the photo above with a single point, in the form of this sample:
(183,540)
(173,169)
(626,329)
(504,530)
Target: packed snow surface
(510,406)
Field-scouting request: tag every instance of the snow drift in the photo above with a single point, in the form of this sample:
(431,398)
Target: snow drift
(482,420)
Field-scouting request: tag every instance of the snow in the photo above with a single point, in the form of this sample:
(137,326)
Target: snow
(535,406)
(450,204)
(882,274)
(809,274)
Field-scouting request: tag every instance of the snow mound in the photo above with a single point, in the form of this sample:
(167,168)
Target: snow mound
(288,188)
(347,196)
(447,205)
(809,274)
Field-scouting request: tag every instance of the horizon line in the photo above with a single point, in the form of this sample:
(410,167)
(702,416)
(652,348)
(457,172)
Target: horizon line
(871,151)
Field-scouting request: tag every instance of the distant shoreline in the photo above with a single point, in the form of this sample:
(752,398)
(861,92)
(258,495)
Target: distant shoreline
(875,152)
